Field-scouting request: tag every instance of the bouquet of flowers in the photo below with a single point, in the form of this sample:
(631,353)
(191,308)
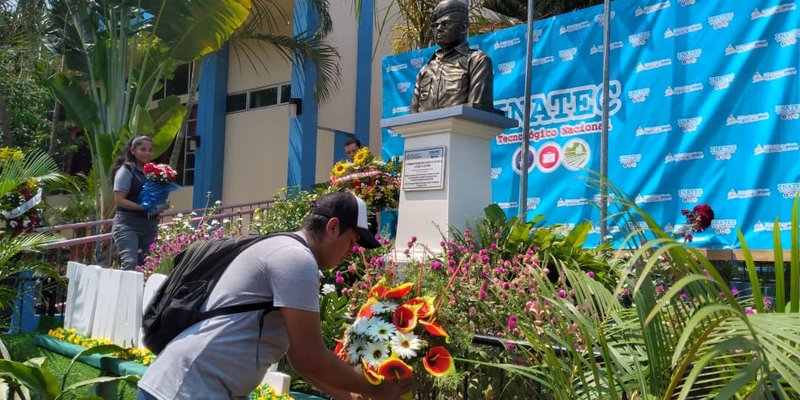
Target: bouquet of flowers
(394,331)
(19,207)
(159,184)
(371,179)
(697,220)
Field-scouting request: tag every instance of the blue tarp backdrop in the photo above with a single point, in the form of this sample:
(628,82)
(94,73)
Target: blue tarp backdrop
(704,104)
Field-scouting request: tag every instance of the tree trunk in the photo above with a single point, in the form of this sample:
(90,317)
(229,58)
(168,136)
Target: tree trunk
(5,122)
(54,130)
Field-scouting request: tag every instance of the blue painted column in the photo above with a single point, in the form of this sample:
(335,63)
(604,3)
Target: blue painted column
(212,99)
(303,127)
(364,71)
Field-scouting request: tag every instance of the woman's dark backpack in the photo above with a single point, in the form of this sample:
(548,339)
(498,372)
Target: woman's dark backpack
(176,304)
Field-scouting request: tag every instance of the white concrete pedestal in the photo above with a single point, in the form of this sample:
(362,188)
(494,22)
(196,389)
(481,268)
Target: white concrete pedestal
(465,134)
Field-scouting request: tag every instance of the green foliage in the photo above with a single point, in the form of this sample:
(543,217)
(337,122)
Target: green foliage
(332,310)
(27,99)
(82,203)
(286,212)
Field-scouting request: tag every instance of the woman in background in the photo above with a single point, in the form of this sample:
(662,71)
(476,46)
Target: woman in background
(133,230)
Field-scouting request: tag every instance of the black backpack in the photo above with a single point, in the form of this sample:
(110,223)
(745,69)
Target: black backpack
(176,304)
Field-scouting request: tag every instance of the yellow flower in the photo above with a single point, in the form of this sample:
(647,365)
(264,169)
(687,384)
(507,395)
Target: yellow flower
(363,156)
(8,154)
(339,169)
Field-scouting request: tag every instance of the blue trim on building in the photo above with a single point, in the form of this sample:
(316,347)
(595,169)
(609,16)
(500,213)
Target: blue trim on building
(364,71)
(303,127)
(211,114)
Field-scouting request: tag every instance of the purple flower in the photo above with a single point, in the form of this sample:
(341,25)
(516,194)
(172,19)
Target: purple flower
(734,292)
(339,279)
(562,293)
(482,294)
(436,265)
(451,262)
(590,274)
(512,322)
(467,232)
(749,310)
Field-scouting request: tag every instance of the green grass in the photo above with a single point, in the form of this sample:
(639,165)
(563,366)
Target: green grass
(22,348)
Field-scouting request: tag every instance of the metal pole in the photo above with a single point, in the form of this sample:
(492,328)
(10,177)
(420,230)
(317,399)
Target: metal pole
(526,120)
(604,132)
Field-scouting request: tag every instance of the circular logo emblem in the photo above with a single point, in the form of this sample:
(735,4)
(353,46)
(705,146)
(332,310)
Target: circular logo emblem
(549,157)
(517,167)
(576,154)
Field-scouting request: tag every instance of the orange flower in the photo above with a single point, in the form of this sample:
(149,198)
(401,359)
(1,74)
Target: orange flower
(435,329)
(439,362)
(378,291)
(398,291)
(371,374)
(394,369)
(405,318)
(366,309)
(425,304)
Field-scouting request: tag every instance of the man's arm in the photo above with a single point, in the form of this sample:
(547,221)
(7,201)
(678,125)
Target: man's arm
(315,362)
(481,80)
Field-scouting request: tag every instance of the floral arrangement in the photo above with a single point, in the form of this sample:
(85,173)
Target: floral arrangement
(394,330)
(375,181)
(697,220)
(137,355)
(267,392)
(19,207)
(160,178)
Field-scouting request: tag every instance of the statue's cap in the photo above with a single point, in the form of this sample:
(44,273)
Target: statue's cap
(451,7)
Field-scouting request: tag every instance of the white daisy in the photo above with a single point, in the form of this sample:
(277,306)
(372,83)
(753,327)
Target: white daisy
(361,325)
(383,307)
(356,350)
(405,344)
(381,330)
(376,353)
(328,288)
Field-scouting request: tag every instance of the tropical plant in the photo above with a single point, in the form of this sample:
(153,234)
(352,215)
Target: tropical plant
(115,56)
(695,339)
(32,380)
(286,212)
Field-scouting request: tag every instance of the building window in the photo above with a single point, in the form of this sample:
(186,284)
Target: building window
(258,98)
(178,85)
(189,149)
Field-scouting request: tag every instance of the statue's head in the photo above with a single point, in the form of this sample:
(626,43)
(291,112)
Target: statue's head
(450,19)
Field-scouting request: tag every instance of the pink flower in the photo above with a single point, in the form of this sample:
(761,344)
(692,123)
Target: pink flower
(512,322)
(562,293)
(750,310)
(339,279)
(590,274)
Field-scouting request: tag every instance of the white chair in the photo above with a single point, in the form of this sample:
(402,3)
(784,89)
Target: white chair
(127,316)
(278,380)
(82,300)
(107,298)
(74,272)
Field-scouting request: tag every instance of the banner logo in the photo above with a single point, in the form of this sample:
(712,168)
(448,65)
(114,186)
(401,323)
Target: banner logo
(630,160)
(516,164)
(775,148)
(510,42)
(568,54)
(506,67)
(720,21)
(789,190)
(583,128)
(598,48)
(572,202)
(600,19)
(679,157)
(745,47)
(689,124)
(397,67)
(771,76)
(533,135)
(417,62)
(639,95)
(579,103)
(788,111)
(577,154)
(722,81)
(734,194)
(690,195)
(683,30)
(681,90)
(651,8)
(725,152)
(648,66)
(686,3)
(653,130)
(690,56)
(541,61)
(746,119)
(573,28)
(639,39)
(549,157)
(769,226)
(787,38)
(400,110)
(496,172)
(653,198)
(724,226)
(768,12)
(507,205)
(403,87)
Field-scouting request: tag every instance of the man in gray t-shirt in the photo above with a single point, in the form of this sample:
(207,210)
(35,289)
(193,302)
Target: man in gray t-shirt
(227,356)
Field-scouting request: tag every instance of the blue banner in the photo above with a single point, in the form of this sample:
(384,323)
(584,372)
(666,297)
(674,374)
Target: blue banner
(704,105)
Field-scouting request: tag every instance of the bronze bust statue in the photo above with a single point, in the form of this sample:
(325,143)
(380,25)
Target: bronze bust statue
(455,74)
